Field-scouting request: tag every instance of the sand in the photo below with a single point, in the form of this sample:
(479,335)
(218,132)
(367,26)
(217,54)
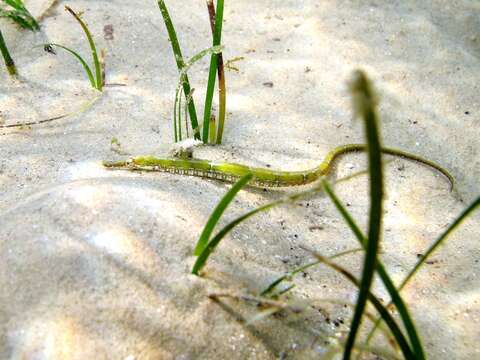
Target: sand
(96,264)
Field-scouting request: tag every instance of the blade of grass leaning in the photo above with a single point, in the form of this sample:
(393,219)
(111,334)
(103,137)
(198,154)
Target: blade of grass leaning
(439,241)
(207,250)
(9,63)
(203,241)
(16,17)
(20,15)
(180,116)
(185,116)
(183,77)
(364,106)
(389,285)
(177,53)
(217,38)
(175,107)
(87,69)
(369,315)
(96,62)
(217,213)
(222,91)
(269,289)
(431,249)
(392,325)
(204,249)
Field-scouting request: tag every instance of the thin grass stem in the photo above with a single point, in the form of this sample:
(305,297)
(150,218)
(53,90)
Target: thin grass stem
(96,62)
(364,98)
(269,289)
(180,117)
(431,249)
(217,213)
(185,116)
(204,249)
(20,15)
(214,218)
(217,38)
(203,242)
(183,78)
(394,294)
(9,63)
(222,91)
(81,60)
(172,35)
(439,241)
(394,328)
(175,106)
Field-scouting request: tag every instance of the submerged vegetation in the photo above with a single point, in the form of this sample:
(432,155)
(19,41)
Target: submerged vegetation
(210,133)
(401,328)
(408,340)
(95,80)
(17,12)
(7,58)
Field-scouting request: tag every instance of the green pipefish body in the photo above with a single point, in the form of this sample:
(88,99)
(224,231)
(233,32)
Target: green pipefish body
(262,177)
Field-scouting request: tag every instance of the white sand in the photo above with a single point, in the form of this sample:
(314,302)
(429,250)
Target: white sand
(95,264)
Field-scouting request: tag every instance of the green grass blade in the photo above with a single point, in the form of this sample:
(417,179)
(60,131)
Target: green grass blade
(209,98)
(217,213)
(217,38)
(204,249)
(287,199)
(394,328)
(389,285)
(172,35)
(430,250)
(225,230)
(180,117)
(183,78)
(17,17)
(222,99)
(440,240)
(364,98)
(175,106)
(269,289)
(9,63)
(87,69)
(222,233)
(213,130)
(222,91)
(98,70)
(290,198)
(20,15)
(16,4)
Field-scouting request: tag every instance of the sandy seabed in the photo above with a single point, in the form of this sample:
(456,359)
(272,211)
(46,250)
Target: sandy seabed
(95,264)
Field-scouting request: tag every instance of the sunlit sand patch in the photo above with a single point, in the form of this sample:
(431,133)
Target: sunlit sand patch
(237,102)
(122,244)
(86,170)
(114,241)
(57,338)
(86,195)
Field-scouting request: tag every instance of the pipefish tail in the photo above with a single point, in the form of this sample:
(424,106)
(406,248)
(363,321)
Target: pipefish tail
(231,172)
